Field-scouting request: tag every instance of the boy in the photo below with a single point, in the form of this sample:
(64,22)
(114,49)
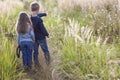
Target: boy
(40,34)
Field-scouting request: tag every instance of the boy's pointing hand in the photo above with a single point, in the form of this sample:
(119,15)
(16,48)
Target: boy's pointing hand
(48,36)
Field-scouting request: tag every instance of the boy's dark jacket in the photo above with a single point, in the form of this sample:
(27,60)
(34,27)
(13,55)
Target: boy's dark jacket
(39,28)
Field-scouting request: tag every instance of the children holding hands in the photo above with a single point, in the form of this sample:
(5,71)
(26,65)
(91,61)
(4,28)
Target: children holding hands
(32,34)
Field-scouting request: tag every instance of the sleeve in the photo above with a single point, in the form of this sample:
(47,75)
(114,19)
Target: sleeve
(42,14)
(18,38)
(18,35)
(32,34)
(42,27)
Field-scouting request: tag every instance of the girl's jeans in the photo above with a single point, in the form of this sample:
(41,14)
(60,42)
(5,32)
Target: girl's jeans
(27,47)
(43,44)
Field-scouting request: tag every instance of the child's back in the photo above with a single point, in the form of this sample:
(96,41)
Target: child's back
(26,38)
(39,28)
(40,34)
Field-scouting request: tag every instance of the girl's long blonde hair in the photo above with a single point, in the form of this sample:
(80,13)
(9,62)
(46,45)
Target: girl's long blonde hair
(22,23)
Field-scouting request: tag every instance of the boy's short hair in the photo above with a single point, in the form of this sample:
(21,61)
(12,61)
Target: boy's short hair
(34,6)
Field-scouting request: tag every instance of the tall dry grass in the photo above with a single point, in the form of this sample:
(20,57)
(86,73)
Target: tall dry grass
(85,56)
(89,26)
(8,63)
(102,15)
(8,14)
(86,4)
(7,6)
(79,35)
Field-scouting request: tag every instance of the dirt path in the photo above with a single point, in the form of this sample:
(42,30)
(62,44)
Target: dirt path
(45,73)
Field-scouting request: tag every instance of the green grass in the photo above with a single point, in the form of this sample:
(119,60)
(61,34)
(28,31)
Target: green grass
(87,61)
(83,54)
(8,62)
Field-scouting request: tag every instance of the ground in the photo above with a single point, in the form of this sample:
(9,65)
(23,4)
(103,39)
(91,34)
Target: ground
(45,72)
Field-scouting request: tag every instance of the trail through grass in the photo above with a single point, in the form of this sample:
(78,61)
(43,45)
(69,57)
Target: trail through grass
(84,40)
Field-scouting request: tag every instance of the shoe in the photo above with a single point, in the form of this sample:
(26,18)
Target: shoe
(47,58)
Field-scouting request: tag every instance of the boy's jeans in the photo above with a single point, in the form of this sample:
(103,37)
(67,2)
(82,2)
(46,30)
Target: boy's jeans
(43,44)
(27,47)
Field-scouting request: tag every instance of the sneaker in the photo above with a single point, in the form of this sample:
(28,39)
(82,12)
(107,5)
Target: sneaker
(47,58)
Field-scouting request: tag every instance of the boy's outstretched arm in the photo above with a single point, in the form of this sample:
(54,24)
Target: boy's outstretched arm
(43,29)
(42,14)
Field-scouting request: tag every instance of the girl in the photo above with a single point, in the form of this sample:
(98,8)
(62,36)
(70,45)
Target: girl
(25,39)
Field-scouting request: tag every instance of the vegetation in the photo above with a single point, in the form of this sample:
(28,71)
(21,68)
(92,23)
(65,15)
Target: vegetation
(8,61)
(85,39)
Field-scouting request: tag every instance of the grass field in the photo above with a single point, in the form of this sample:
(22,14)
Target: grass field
(84,38)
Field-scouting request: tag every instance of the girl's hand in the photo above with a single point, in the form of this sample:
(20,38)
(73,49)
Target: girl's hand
(48,36)
(33,41)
